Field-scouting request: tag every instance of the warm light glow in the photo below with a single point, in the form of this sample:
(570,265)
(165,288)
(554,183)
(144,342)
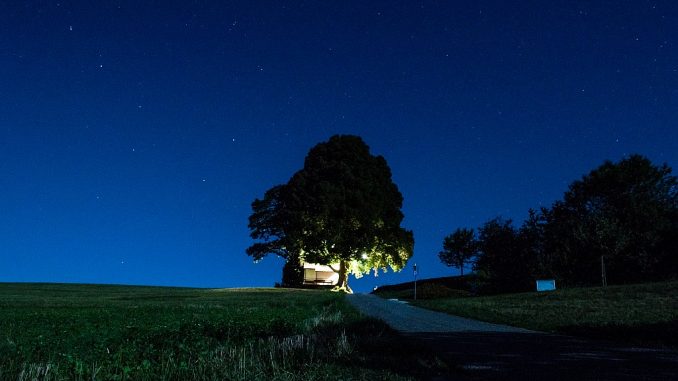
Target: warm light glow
(315,273)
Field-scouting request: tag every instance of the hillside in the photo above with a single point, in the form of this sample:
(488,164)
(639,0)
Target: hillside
(430,288)
(645,314)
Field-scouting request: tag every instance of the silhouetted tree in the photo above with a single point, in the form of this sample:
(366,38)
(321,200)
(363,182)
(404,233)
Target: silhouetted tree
(270,223)
(624,211)
(536,258)
(459,248)
(502,259)
(341,208)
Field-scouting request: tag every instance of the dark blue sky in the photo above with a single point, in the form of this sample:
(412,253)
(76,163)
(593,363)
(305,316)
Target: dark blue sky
(133,138)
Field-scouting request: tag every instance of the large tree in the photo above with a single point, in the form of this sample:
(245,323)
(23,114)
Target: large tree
(503,258)
(459,248)
(342,208)
(625,212)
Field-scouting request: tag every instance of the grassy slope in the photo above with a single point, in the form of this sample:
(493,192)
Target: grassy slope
(59,331)
(429,288)
(639,314)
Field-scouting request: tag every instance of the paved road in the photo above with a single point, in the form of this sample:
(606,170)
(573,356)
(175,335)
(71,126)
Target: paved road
(405,318)
(498,352)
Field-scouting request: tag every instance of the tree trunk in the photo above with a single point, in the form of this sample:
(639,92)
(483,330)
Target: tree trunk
(342,284)
(462,269)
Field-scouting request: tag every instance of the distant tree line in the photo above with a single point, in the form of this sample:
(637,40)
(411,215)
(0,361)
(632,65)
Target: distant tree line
(622,214)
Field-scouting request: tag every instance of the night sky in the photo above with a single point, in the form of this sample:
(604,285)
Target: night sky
(133,138)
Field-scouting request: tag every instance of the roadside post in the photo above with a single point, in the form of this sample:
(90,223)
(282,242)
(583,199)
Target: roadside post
(415,281)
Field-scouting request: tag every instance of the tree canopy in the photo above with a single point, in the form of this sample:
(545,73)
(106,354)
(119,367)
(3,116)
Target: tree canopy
(341,208)
(625,212)
(501,256)
(459,248)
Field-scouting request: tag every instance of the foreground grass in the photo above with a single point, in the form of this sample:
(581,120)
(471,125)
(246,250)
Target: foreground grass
(95,332)
(645,314)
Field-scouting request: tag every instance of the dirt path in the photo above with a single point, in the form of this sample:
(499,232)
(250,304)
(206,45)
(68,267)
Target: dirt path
(484,351)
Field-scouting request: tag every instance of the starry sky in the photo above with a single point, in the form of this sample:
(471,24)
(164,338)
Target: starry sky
(133,137)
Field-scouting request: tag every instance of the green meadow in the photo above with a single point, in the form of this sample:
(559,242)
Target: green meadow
(98,332)
(643,314)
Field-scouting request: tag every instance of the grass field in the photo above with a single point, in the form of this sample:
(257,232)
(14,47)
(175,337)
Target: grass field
(645,314)
(96,332)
